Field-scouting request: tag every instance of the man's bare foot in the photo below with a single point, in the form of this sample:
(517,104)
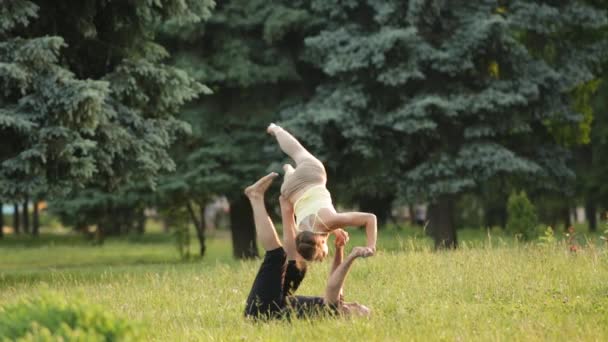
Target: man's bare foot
(363,252)
(258,188)
(272,128)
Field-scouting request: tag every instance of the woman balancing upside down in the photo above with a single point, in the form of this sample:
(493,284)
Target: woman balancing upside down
(316,216)
(271,295)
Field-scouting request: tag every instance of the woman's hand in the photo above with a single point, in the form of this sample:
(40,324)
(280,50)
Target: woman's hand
(341,237)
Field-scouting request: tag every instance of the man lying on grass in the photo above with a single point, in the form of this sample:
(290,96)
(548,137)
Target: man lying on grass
(271,295)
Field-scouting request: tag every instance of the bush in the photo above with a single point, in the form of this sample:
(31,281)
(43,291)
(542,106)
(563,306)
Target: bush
(521,216)
(52,318)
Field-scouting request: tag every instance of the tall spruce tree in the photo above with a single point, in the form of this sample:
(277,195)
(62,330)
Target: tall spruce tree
(247,53)
(86,98)
(439,97)
(592,163)
(1,220)
(571,37)
(16,219)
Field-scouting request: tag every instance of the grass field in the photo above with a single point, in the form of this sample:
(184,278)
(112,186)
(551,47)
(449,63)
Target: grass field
(490,289)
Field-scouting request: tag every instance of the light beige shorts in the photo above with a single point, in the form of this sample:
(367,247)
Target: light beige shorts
(306,174)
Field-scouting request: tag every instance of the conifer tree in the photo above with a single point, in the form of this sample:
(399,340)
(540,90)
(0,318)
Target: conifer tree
(435,98)
(592,164)
(243,52)
(1,220)
(87,99)
(247,52)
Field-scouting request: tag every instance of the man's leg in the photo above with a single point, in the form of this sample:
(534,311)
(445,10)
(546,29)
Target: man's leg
(265,299)
(267,235)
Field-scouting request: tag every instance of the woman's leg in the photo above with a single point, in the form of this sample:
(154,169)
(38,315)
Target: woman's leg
(309,170)
(267,235)
(290,145)
(289,170)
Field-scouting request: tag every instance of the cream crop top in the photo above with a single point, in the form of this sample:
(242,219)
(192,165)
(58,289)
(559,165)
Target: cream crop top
(311,201)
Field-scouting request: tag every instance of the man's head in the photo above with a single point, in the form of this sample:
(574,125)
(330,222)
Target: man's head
(311,246)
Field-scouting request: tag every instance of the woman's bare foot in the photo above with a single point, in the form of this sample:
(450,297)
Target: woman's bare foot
(288,169)
(272,128)
(258,188)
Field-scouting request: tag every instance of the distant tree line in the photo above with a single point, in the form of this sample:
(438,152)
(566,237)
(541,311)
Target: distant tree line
(452,103)
(21,218)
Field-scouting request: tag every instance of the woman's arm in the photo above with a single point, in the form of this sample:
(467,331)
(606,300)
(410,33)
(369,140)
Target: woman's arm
(335,220)
(289,229)
(337,277)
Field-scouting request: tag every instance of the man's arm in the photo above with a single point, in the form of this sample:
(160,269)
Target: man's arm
(338,258)
(289,229)
(337,277)
(340,241)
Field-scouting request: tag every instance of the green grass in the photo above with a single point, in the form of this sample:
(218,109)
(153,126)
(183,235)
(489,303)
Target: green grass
(490,289)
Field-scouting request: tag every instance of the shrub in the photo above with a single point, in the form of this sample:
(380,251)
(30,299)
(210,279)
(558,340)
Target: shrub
(521,216)
(547,238)
(52,318)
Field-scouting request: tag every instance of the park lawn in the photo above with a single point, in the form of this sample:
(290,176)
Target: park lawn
(502,291)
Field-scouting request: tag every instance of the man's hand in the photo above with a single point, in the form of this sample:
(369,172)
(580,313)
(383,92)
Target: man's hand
(341,237)
(286,206)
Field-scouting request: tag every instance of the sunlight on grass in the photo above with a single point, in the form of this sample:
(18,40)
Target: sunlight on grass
(504,292)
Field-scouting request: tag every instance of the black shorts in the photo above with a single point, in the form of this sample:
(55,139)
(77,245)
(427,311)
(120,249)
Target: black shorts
(272,296)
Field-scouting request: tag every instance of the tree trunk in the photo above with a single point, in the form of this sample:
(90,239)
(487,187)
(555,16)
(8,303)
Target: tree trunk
(242,229)
(441,223)
(26,217)
(199,224)
(591,214)
(412,218)
(140,223)
(82,228)
(36,220)
(495,215)
(565,214)
(111,222)
(202,231)
(377,205)
(166,225)
(16,220)
(100,234)
(1,220)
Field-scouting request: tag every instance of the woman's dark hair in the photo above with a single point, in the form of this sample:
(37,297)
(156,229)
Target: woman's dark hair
(307,245)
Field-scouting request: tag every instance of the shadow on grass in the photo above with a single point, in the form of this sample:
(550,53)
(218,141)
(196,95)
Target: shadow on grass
(28,241)
(89,273)
(75,239)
